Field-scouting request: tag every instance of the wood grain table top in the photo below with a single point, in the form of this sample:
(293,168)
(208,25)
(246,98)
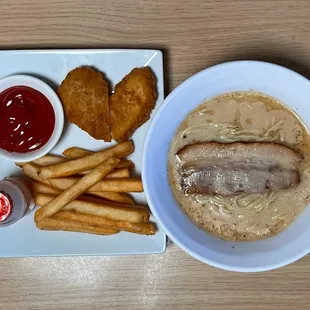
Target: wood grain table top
(192,35)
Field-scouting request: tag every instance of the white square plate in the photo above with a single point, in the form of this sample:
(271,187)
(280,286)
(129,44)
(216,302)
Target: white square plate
(52,66)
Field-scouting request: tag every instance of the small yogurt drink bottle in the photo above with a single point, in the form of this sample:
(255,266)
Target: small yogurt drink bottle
(15,200)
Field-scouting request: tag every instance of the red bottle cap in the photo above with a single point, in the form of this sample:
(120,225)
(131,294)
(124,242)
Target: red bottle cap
(5,206)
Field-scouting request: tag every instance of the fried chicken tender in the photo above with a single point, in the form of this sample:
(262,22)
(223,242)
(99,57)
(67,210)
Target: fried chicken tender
(132,103)
(85,97)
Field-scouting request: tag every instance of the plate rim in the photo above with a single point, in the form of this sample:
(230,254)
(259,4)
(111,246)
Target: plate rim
(79,50)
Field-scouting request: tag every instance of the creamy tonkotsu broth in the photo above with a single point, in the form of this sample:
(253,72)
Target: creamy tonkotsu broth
(247,117)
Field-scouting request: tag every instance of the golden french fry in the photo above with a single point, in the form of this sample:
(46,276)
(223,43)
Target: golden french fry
(31,171)
(46,160)
(120,198)
(64,183)
(107,185)
(93,220)
(88,162)
(118,185)
(77,189)
(54,224)
(77,152)
(100,199)
(49,160)
(40,190)
(112,212)
(126,163)
(38,187)
(117,173)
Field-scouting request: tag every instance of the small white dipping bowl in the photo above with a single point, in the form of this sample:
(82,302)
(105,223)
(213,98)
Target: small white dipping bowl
(287,86)
(49,93)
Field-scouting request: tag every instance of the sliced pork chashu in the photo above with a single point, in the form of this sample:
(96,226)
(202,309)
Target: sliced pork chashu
(229,169)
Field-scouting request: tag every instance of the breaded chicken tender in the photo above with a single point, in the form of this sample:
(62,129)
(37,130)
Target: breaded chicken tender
(85,97)
(132,103)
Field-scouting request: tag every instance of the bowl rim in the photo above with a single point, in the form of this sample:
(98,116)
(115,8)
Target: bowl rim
(50,94)
(157,115)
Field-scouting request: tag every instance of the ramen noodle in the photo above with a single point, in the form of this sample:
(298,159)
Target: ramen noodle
(243,117)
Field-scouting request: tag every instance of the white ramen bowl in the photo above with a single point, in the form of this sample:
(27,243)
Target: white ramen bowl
(49,93)
(285,85)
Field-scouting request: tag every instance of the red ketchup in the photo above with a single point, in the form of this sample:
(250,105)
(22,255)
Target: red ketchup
(27,119)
